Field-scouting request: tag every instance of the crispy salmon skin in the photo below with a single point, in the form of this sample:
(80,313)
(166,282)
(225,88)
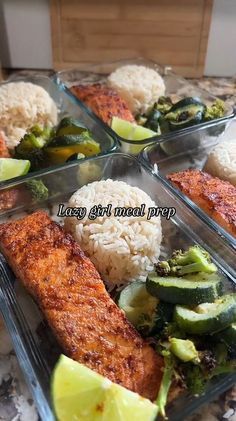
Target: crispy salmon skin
(216,197)
(86,322)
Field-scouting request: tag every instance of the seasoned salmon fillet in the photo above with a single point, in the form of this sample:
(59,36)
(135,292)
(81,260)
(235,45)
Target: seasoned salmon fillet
(216,197)
(103,101)
(4,152)
(85,320)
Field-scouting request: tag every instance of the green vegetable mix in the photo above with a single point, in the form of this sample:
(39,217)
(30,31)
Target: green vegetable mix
(190,323)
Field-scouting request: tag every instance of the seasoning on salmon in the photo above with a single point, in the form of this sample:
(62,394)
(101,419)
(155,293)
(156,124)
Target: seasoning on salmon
(86,322)
(216,197)
(103,101)
(4,152)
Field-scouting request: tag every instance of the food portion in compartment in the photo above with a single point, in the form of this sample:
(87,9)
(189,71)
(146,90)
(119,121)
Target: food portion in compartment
(33,136)
(4,152)
(103,101)
(48,146)
(153,330)
(221,161)
(125,245)
(86,322)
(142,90)
(79,393)
(22,105)
(139,85)
(216,197)
(188,315)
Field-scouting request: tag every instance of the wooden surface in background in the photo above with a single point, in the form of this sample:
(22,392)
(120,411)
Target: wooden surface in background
(171,32)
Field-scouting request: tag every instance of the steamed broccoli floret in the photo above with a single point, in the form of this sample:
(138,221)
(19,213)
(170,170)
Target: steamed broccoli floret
(195,379)
(216,110)
(193,260)
(32,144)
(145,324)
(166,382)
(150,324)
(38,190)
(35,138)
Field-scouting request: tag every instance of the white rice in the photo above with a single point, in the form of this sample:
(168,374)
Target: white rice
(123,249)
(221,161)
(22,105)
(138,85)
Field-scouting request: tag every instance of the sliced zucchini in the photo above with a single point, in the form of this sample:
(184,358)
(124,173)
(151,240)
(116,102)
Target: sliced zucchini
(75,157)
(153,120)
(189,289)
(60,154)
(138,305)
(208,317)
(69,125)
(185,113)
(69,139)
(186,102)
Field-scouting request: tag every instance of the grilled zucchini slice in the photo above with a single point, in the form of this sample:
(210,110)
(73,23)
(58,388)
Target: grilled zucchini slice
(207,317)
(189,289)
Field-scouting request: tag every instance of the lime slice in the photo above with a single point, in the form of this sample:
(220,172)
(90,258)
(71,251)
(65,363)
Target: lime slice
(131,131)
(10,168)
(81,394)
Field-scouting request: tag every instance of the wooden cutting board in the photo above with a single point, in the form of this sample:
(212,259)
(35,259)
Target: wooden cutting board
(171,32)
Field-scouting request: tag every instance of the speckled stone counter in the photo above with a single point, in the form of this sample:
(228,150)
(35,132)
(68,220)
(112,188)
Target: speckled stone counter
(15,399)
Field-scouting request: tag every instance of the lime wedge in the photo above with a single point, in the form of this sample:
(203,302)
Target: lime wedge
(131,131)
(81,394)
(10,168)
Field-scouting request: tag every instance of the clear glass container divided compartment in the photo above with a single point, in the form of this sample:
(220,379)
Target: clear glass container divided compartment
(190,156)
(34,344)
(176,87)
(67,107)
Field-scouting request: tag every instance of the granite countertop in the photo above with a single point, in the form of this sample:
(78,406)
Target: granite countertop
(16,403)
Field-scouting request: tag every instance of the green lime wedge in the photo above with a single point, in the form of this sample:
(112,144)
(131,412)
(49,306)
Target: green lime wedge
(10,168)
(81,394)
(131,131)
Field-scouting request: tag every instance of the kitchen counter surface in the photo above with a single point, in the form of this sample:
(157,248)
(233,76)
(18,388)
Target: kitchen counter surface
(16,403)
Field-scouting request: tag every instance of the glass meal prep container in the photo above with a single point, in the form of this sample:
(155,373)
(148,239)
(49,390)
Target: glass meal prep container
(176,87)
(34,344)
(66,107)
(156,157)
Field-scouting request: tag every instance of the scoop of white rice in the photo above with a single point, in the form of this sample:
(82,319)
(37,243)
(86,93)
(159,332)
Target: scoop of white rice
(138,85)
(221,161)
(22,105)
(123,249)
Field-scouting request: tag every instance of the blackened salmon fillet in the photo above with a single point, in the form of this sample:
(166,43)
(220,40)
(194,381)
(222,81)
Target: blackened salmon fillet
(216,197)
(103,101)
(87,323)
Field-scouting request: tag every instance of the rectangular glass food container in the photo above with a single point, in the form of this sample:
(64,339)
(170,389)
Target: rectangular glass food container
(67,107)
(176,87)
(157,157)
(34,344)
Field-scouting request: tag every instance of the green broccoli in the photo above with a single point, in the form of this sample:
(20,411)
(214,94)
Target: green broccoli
(32,144)
(193,260)
(167,377)
(173,330)
(38,190)
(216,110)
(194,378)
(150,324)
